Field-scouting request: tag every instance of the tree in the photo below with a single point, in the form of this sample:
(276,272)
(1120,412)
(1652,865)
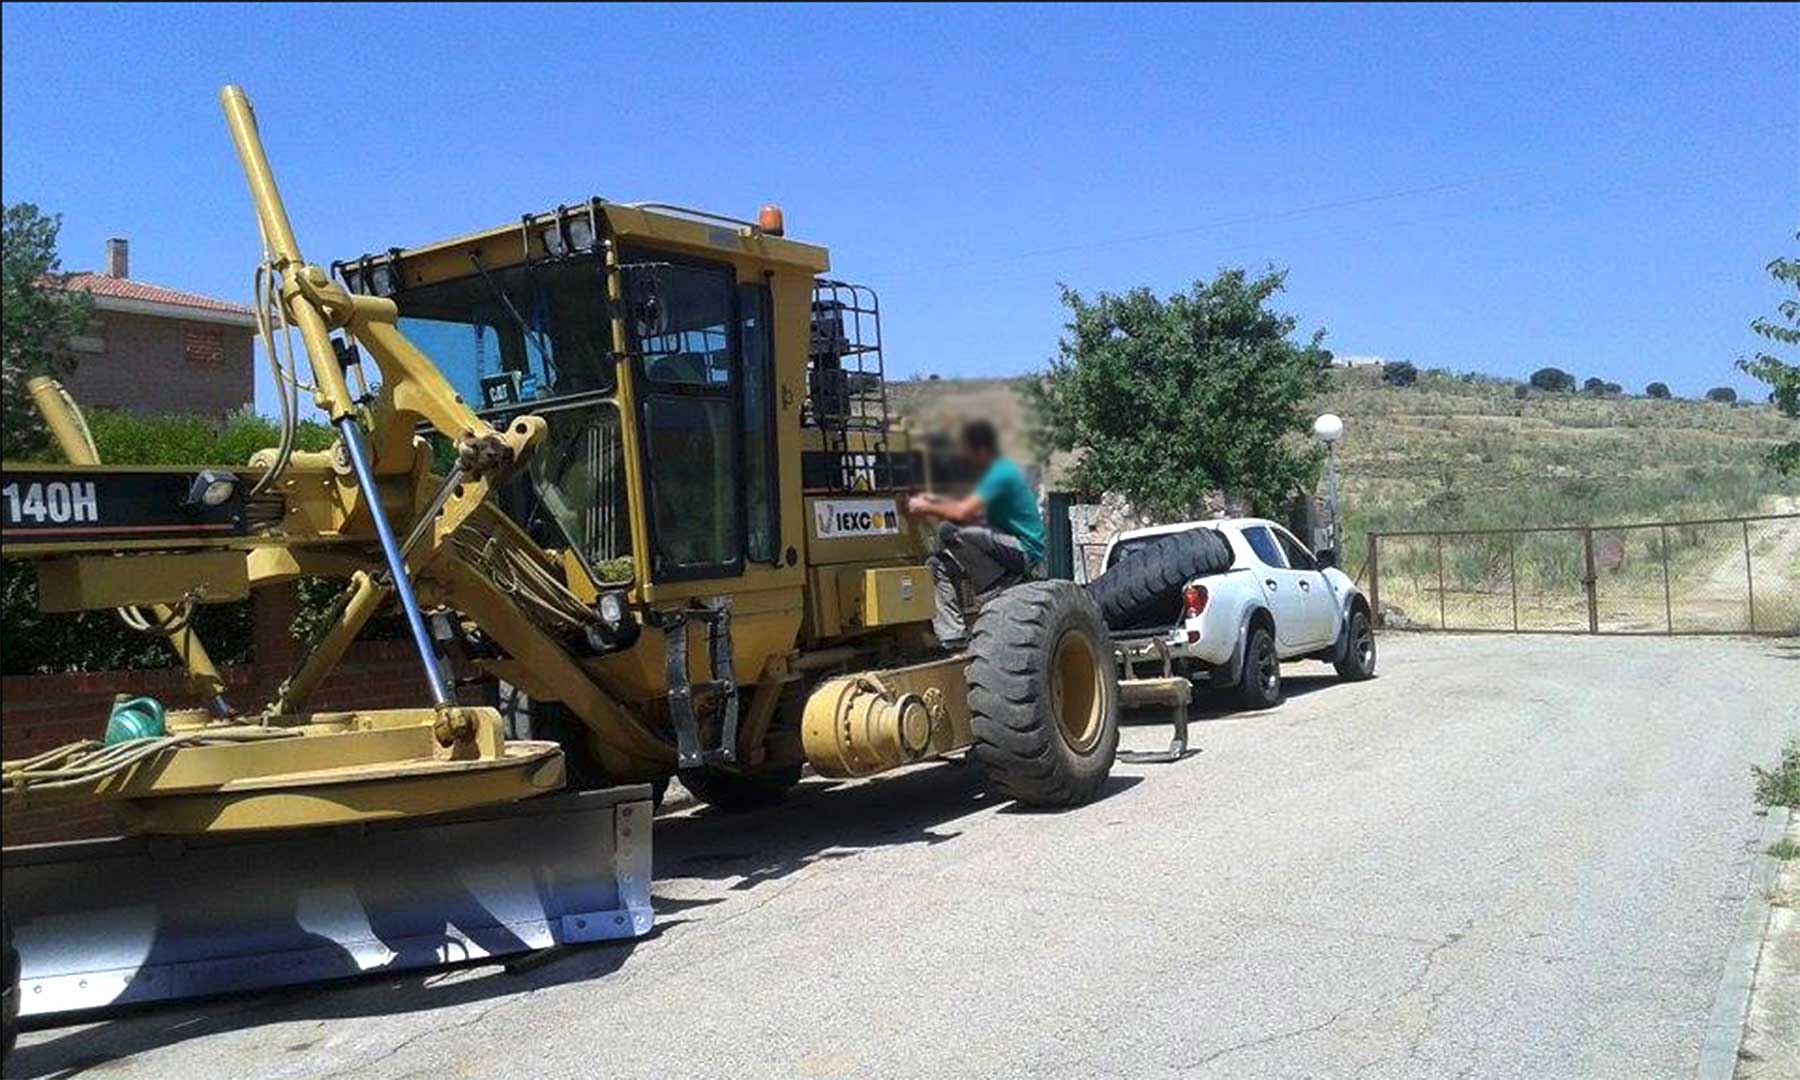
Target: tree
(1658,390)
(1553,380)
(1724,395)
(1168,401)
(1399,373)
(1594,387)
(1783,378)
(36,321)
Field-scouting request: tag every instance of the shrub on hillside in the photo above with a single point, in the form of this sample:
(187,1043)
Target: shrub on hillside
(1552,380)
(1399,373)
(1724,395)
(1658,390)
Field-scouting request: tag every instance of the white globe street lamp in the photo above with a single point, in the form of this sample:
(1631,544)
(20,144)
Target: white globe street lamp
(1328,429)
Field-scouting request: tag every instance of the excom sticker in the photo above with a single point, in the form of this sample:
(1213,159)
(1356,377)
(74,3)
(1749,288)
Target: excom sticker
(835,519)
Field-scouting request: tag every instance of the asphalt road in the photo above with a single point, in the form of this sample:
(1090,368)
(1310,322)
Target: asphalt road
(1504,857)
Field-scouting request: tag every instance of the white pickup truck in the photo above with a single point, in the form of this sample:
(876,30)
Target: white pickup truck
(1227,601)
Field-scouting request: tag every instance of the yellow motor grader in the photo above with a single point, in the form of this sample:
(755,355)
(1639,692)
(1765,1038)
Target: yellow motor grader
(646,484)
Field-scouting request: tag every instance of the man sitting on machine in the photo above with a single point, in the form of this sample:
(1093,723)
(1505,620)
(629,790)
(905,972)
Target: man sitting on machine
(991,538)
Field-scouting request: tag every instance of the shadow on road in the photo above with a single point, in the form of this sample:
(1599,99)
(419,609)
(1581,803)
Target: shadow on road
(1211,704)
(824,820)
(821,820)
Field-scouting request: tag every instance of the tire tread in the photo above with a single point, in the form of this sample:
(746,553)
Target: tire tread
(1144,590)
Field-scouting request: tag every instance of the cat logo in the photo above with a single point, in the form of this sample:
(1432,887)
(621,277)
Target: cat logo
(836,519)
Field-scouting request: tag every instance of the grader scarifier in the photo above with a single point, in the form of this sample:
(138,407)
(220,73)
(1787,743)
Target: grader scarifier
(649,490)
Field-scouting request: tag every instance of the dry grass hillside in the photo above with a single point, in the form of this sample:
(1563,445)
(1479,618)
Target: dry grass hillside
(1464,451)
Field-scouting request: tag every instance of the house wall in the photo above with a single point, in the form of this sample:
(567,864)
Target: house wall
(151,364)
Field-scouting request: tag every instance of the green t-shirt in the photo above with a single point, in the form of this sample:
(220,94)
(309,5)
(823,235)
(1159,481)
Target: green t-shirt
(1011,506)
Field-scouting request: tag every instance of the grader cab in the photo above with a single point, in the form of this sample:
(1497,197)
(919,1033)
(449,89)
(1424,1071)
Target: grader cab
(633,466)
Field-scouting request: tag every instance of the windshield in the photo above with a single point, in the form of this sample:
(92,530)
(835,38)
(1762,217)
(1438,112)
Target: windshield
(516,335)
(531,338)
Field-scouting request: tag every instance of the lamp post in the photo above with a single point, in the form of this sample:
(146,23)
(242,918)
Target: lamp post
(1328,429)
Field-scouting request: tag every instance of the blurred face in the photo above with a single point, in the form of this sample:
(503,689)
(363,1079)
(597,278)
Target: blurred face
(979,456)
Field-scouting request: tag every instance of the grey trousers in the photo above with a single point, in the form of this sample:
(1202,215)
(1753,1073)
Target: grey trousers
(987,560)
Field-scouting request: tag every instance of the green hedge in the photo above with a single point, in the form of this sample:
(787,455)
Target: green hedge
(35,643)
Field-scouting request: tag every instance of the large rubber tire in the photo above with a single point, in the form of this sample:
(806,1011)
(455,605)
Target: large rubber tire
(553,722)
(582,771)
(1044,695)
(735,792)
(1259,684)
(1359,650)
(1144,589)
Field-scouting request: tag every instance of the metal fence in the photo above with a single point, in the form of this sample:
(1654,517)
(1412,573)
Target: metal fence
(1720,576)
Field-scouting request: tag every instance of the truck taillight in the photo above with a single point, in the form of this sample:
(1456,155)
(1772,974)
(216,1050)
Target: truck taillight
(1193,600)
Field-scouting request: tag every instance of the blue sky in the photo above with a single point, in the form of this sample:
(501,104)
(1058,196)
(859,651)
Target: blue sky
(1475,188)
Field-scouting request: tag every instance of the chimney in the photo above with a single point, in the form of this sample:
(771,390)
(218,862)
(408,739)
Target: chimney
(118,257)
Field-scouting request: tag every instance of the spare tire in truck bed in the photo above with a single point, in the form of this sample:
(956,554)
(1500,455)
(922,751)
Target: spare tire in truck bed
(1143,590)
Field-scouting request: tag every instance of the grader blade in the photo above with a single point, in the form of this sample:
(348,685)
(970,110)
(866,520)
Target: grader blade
(130,920)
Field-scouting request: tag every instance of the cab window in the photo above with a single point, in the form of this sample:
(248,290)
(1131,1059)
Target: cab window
(693,491)
(762,508)
(1267,550)
(688,345)
(517,335)
(1298,558)
(688,340)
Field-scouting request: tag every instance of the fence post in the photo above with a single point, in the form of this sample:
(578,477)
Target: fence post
(1591,581)
(1512,574)
(1375,578)
(1443,622)
(1668,604)
(1059,553)
(1749,582)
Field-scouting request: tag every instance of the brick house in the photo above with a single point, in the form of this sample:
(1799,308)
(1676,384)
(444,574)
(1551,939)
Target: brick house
(151,349)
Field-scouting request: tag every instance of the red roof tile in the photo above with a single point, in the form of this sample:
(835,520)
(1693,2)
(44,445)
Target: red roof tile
(129,289)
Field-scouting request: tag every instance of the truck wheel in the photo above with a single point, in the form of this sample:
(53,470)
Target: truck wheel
(1144,589)
(1359,652)
(1043,695)
(734,792)
(1259,686)
(553,722)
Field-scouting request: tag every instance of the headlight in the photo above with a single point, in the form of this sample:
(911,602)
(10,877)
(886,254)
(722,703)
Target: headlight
(581,233)
(612,609)
(581,236)
(552,240)
(212,489)
(381,281)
